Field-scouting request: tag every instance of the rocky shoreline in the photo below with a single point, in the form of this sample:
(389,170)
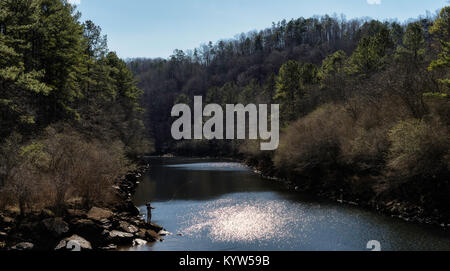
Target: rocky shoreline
(99,228)
(405,211)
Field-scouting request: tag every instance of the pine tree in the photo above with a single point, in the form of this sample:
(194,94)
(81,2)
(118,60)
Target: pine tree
(289,89)
(441,30)
(411,79)
(60,53)
(20,80)
(372,53)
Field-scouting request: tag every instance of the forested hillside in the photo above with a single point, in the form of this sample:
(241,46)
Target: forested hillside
(70,113)
(364,103)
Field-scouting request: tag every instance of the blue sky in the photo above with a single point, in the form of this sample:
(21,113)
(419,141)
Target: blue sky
(154,28)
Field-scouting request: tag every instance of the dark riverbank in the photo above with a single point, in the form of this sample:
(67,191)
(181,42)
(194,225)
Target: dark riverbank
(344,191)
(99,228)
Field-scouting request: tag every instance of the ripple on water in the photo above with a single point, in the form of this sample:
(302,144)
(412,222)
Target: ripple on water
(255,220)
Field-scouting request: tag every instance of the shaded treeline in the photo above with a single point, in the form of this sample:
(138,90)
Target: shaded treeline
(69,110)
(364,103)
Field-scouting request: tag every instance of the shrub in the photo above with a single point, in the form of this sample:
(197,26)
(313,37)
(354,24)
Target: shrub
(262,160)
(63,165)
(366,142)
(312,143)
(9,150)
(23,186)
(97,169)
(439,104)
(419,149)
(86,169)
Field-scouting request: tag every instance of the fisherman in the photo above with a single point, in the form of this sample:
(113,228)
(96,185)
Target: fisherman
(149,212)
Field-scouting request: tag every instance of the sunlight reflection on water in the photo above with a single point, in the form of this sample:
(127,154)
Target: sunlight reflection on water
(243,222)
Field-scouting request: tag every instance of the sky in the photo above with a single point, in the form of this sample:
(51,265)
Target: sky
(155,28)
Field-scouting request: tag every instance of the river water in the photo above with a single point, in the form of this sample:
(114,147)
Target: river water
(224,206)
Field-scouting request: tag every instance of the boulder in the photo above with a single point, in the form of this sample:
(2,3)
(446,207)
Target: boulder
(126,227)
(105,236)
(8,221)
(30,230)
(74,243)
(152,236)
(123,216)
(395,209)
(139,242)
(153,227)
(164,233)
(23,246)
(120,238)
(99,213)
(55,226)
(140,223)
(141,234)
(106,224)
(3,236)
(128,207)
(87,228)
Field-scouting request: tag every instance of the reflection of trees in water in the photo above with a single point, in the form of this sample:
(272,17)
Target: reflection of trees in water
(197,181)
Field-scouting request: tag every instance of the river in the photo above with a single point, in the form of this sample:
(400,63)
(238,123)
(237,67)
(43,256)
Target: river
(220,205)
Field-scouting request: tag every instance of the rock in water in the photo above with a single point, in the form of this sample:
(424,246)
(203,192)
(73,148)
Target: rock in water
(23,246)
(139,242)
(152,236)
(164,233)
(154,227)
(141,234)
(74,243)
(99,213)
(121,238)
